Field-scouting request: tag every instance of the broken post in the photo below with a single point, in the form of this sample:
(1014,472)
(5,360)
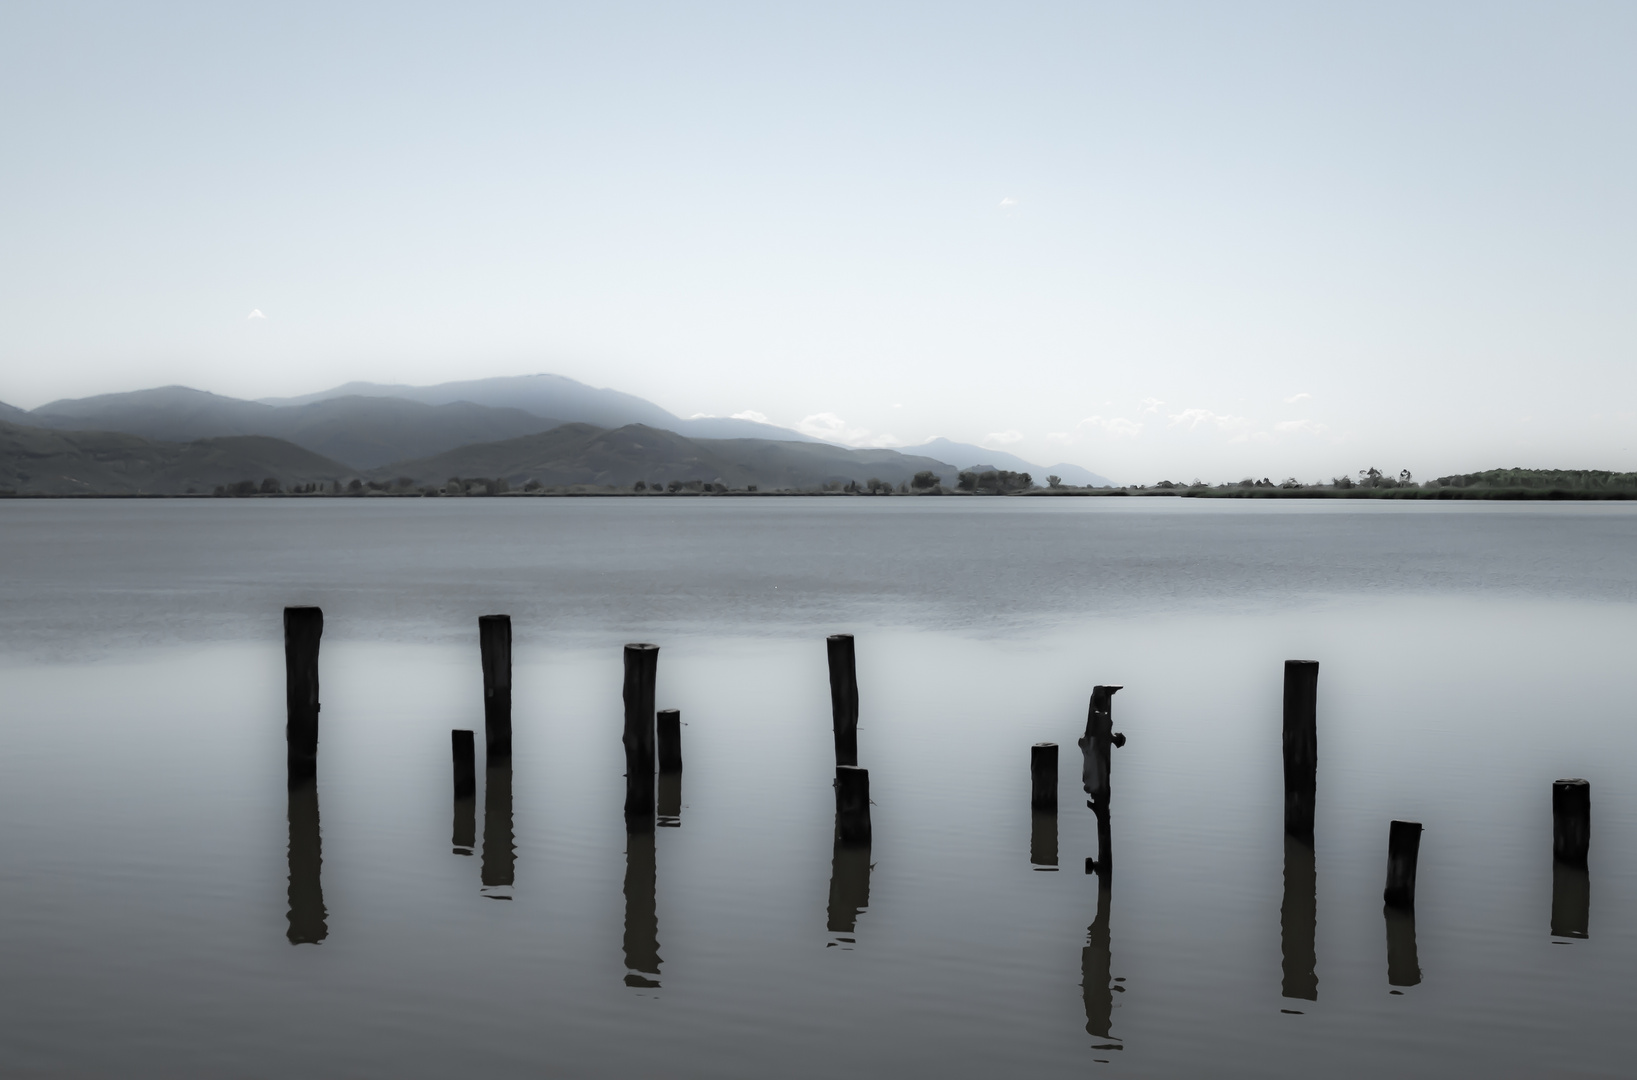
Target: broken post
(1403,847)
(852,804)
(1301,743)
(1043,776)
(494,634)
(464,753)
(303,627)
(844,697)
(641,670)
(1571,821)
(1097,750)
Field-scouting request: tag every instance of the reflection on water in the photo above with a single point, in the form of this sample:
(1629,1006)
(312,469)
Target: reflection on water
(849,889)
(463,754)
(670,800)
(307,914)
(641,911)
(499,851)
(1299,922)
(1097,984)
(1571,901)
(1043,839)
(1403,965)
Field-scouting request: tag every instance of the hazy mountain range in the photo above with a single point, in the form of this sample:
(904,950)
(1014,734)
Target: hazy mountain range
(543,427)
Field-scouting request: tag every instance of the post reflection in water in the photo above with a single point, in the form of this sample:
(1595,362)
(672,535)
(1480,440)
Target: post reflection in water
(1043,840)
(307,915)
(849,890)
(1299,922)
(499,852)
(1571,901)
(641,911)
(1097,984)
(670,800)
(1403,964)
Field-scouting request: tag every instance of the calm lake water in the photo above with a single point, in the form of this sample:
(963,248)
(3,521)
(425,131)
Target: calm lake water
(1471,654)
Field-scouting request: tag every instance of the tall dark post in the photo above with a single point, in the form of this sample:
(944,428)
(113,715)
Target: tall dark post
(1301,742)
(1043,776)
(1097,751)
(1571,821)
(641,670)
(670,767)
(499,870)
(1096,969)
(852,804)
(494,633)
(307,917)
(303,627)
(1299,922)
(1403,848)
(844,697)
(464,753)
(1571,839)
(641,911)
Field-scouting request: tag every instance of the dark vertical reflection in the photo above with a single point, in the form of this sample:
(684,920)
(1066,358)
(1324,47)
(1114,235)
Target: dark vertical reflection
(1403,965)
(849,889)
(307,914)
(641,911)
(464,837)
(670,800)
(1299,922)
(499,853)
(1043,840)
(1096,970)
(1571,901)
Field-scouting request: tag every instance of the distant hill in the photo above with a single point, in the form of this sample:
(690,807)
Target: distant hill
(971,456)
(557,396)
(11,414)
(363,432)
(583,454)
(37,460)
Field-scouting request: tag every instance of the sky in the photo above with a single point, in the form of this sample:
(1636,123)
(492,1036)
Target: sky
(1159,240)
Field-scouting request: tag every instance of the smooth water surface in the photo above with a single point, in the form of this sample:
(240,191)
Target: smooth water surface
(155,872)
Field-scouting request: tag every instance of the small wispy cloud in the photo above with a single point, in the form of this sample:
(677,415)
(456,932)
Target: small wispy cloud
(996,439)
(752,414)
(1007,203)
(703,416)
(1297,399)
(1240,428)
(1151,405)
(254,315)
(832,428)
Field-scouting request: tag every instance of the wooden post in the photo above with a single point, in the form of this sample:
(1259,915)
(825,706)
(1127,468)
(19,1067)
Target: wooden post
(494,633)
(670,740)
(641,671)
(844,697)
(1097,754)
(852,804)
(464,753)
(303,627)
(1043,776)
(1301,744)
(1403,847)
(1571,821)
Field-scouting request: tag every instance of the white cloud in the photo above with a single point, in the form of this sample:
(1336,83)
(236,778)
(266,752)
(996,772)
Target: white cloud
(1115,427)
(832,428)
(1151,405)
(703,416)
(1300,427)
(1297,399)
(254,314)
(1008,202)
(752,414)
(996,439)
(1239,427)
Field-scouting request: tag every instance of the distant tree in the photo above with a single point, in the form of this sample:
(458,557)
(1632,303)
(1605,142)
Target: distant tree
(1025,480)
(1343,482)
(532,484)
(1404,476)
(751,487)
(903,487)
(269,486)
(1054,481)
(967,481)
(221,490)
(640,486)
(926,479)
(1290,482)
(674,486)
(355,485)
(874,484)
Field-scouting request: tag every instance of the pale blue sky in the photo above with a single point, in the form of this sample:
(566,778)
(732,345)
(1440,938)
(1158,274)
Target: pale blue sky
(1155,239)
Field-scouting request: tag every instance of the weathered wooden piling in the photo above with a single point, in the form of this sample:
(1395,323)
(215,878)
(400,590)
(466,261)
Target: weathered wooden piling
(852,804)
(303,628)
(463,836)
(1571,821)
(1043,776)
(1301,746)
(844,697)
(641,671)
(494,634)
(1403,848)
(669,727)
(1097,746)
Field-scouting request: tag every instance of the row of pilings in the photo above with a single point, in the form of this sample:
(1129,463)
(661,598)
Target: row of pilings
(653,754)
